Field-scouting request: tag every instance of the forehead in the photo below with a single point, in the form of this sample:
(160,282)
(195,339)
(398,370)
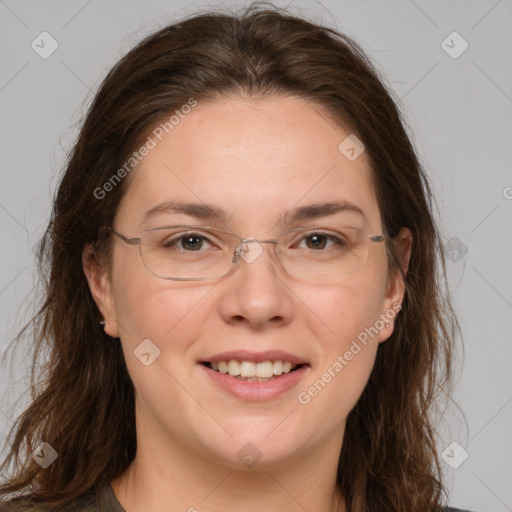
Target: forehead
(256,159)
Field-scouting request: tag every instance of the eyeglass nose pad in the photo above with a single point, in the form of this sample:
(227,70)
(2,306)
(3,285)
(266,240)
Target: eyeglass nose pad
(249,253)
(238,252)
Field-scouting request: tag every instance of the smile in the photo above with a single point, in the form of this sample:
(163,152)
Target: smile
(250,371)
(246,380)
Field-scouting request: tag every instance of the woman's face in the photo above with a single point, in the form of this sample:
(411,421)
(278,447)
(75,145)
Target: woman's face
(254,161)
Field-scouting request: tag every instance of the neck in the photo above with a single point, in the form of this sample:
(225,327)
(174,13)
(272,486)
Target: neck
(169,476)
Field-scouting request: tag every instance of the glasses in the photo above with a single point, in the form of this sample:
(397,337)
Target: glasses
(196,253)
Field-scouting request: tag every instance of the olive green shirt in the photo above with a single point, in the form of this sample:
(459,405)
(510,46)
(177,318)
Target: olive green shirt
(102,499)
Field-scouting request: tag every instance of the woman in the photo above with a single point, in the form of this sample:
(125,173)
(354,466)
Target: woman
(244,306)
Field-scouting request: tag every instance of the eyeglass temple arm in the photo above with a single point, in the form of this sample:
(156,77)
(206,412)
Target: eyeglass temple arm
(130,241)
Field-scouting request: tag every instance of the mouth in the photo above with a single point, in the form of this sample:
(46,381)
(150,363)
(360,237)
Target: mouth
(251,371)
(255,376)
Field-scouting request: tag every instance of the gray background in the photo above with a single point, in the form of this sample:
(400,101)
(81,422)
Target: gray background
(459,110)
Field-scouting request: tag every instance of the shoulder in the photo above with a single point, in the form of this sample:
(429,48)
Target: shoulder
(101,499)
(92,501)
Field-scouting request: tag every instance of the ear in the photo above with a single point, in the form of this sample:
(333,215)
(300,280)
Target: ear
(396,286)
(99,284)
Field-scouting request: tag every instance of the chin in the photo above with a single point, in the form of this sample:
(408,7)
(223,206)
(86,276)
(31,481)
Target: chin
(258,451)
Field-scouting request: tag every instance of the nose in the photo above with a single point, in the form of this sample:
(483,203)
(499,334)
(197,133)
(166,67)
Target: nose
(256,293)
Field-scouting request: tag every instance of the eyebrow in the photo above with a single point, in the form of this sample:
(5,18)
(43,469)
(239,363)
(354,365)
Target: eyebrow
(206,211)
(314,211)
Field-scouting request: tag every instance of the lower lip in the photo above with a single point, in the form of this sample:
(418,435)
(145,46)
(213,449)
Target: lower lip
(257,391)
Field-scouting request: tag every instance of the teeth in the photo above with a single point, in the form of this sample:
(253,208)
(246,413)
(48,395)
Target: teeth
(265,369)
(234,369)
(251,371)
(246,369)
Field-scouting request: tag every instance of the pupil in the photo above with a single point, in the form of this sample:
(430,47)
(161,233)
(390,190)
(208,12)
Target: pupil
(318,241)
(189,242)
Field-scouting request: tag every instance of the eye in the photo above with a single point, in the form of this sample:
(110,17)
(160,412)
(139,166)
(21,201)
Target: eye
(186,241)
(318,240)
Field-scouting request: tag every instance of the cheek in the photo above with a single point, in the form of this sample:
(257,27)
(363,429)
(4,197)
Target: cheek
(346,341)
(338,312)
(165,312)
(344,367)
(161,322)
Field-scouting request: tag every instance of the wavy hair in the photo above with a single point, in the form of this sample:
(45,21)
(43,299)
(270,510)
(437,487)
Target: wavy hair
(82,400)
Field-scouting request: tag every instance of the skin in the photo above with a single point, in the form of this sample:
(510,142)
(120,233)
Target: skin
(256,159)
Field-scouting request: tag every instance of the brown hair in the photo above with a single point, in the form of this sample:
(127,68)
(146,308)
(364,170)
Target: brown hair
(83,400)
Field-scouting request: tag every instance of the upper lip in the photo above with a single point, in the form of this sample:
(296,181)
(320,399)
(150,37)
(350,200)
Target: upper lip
(256,357)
